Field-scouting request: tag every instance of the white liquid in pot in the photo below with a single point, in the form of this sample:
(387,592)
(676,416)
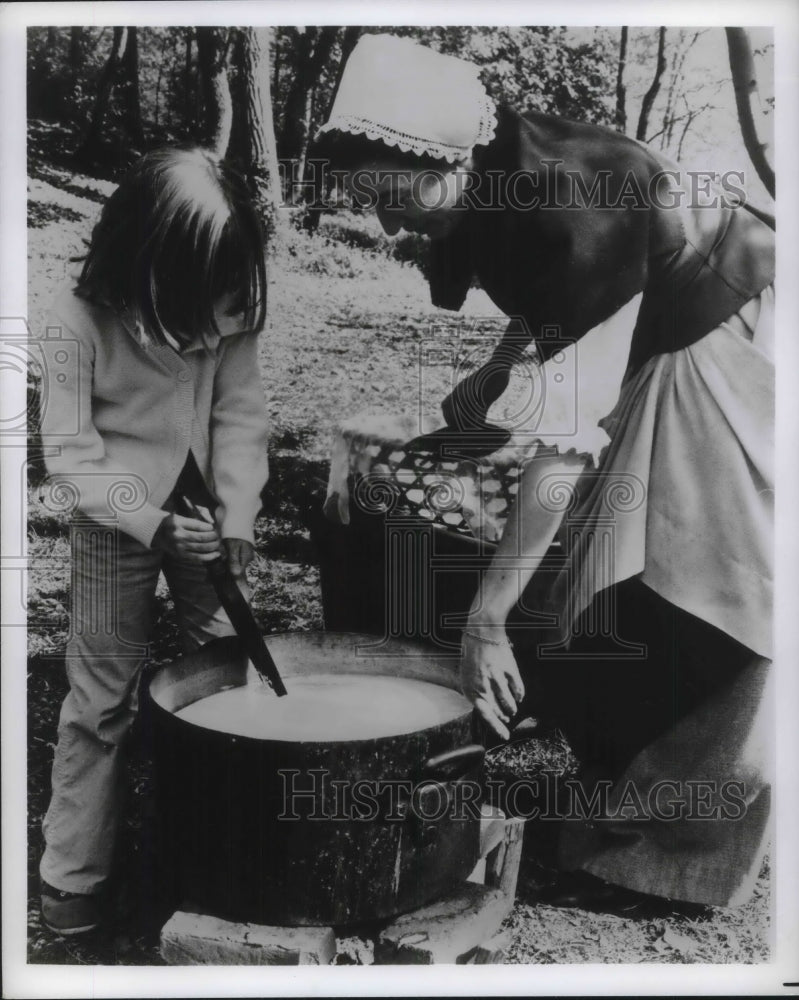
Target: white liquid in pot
(322,707)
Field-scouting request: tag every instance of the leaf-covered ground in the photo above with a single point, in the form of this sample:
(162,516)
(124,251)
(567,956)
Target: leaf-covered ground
(349,330)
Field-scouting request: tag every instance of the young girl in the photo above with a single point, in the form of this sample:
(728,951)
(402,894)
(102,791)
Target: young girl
(160,397)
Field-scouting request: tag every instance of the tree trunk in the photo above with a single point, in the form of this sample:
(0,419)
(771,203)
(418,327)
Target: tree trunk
(75,53)
(348,43)
(314,214)
(239,145)
(212,61)
(621,90)
(298,194)
(130,77)
(188,97)
(276,70)
(161,56)
(291,126)
(259,153)
(91,141)
(75,65)
(321,55)
(313,51)
(652,93)
(742,67)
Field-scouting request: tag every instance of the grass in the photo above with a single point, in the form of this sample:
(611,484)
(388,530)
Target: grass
(348,324)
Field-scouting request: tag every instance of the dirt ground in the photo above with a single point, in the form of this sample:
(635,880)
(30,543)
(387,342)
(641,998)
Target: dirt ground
(347,329)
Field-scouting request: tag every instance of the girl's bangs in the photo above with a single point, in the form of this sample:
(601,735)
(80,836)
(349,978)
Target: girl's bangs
(239,269)
(198,263)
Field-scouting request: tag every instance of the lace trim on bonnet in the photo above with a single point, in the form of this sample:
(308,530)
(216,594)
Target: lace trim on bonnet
(356,125)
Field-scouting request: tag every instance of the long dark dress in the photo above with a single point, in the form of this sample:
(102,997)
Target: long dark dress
(669,542)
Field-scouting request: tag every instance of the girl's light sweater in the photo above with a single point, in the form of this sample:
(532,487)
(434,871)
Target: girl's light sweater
(119,418)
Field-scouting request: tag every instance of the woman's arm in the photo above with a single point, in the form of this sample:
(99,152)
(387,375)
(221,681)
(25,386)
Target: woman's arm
(471,399)
(489,675)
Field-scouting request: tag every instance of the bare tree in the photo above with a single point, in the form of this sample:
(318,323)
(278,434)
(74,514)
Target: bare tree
(670,117)
(744,78)
(654,87)
(621,90)
(691,114)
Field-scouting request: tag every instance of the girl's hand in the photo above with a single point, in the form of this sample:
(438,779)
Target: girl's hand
(188,538)
(239,555)
(490,678)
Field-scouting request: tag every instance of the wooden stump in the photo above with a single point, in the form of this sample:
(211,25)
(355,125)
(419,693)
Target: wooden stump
(444,931)
(504,859)
(492,829)
(198,939)
(464,925)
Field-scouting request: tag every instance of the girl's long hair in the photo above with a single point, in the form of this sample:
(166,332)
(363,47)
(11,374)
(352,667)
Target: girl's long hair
(178,234)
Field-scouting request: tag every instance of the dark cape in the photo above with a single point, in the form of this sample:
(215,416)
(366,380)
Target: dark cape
(608,218)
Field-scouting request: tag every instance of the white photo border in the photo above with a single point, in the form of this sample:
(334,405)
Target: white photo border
(22,980)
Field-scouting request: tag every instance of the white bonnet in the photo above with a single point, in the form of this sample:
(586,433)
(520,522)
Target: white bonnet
(412,97)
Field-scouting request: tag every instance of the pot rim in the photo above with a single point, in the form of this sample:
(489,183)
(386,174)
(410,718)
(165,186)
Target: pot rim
(308,745)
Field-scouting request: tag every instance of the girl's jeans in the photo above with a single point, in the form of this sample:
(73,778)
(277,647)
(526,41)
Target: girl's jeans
(113,588)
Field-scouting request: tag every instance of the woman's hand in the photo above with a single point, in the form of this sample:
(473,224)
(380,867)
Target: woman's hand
(467,406)
(188,538)
(490,678)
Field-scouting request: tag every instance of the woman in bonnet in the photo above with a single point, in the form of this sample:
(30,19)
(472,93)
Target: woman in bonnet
(595,244)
